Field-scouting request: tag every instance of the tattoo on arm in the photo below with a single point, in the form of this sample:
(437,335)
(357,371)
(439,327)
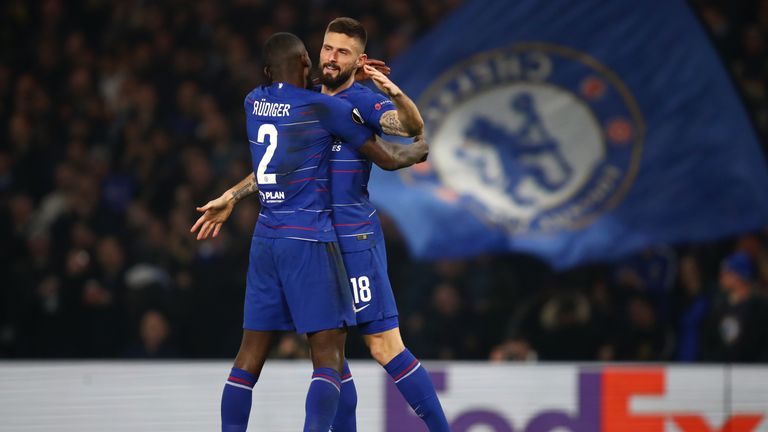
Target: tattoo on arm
(245,188)
(391,125)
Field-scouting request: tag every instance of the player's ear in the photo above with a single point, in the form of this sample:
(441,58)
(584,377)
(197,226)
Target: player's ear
(361,60)
(267,72)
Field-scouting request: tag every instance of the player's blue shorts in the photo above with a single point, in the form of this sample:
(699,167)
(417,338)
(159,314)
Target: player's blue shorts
(371,291)
(296,285)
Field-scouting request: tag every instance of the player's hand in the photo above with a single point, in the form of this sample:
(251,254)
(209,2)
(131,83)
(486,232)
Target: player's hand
(215,213)
(379,65)
(382,82)
(422,146)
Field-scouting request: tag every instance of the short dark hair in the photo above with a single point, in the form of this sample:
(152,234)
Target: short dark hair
(281,47)
(350,27)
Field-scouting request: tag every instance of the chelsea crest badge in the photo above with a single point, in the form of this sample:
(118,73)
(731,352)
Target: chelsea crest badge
(533,137)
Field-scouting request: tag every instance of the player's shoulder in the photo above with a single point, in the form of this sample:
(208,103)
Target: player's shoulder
(281,91)
(367,98)
(361,89)
(254,93)
(334,103)
(358,90)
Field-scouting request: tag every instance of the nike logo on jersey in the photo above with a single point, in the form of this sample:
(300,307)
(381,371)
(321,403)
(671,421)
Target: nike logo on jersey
(357,117)
(358,310)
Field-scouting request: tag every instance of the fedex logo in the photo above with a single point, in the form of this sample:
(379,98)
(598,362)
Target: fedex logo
(604,404)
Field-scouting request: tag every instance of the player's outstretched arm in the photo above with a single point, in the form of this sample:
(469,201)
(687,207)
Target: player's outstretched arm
(392,156)
(217,211)
(405,120)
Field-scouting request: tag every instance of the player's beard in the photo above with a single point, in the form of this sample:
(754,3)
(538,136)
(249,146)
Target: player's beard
(334,83)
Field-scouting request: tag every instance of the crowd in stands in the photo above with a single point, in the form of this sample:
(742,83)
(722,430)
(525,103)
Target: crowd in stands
(118,118)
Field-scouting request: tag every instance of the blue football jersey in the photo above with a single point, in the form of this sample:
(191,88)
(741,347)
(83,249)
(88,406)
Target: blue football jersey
(354,217)
(291,131)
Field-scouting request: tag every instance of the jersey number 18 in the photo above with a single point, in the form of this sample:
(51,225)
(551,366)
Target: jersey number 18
(361,288)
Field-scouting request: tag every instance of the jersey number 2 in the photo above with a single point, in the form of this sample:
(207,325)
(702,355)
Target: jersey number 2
(271,131)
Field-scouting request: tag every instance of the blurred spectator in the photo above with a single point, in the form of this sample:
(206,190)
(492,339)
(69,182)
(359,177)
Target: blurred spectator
(449,331)
(154,335)
(560,325)
(692,303)
(46,321)
(738,327)
(650,273)
(756,247)
(292,346)
(642,336)
(605,315)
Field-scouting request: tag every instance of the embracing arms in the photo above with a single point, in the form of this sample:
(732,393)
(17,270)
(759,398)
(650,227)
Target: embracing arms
(391,156)
(387,155)
(405,120)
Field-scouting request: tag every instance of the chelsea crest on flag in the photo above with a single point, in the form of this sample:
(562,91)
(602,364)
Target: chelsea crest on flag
(575,131)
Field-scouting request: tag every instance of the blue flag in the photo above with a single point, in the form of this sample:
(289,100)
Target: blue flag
(575,131)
